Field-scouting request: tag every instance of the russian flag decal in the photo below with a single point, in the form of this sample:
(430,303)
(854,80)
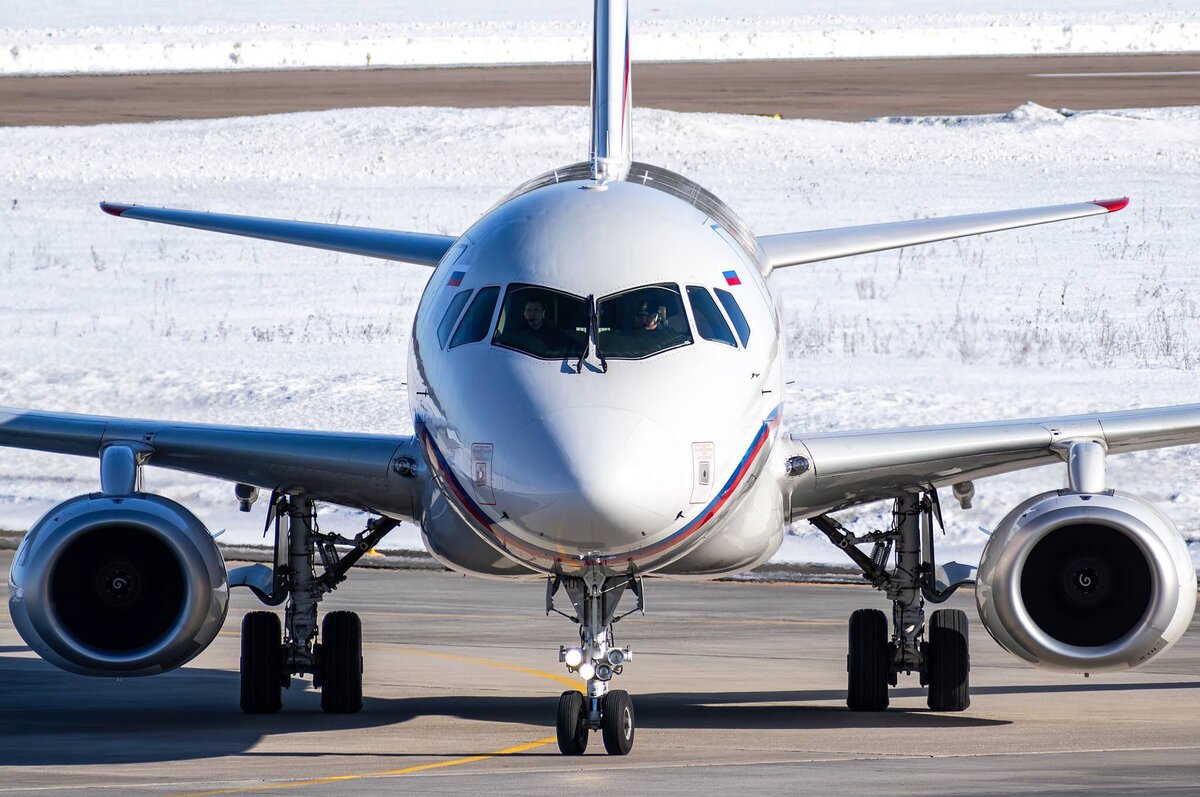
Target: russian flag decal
(731,278)
(456,278)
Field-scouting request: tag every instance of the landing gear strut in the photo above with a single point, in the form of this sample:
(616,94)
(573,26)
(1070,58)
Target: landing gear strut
(272,654)
(940,657)
(597,660)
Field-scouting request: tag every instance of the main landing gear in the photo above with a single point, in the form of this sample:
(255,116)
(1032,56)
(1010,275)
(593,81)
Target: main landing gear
(272,652)
(597,660)
(939,651)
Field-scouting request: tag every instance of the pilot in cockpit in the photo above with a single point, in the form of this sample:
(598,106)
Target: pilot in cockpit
(648,324)
(540,336)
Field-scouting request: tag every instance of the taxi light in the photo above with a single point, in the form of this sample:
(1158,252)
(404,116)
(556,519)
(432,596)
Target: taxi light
(587,670)
(573,657)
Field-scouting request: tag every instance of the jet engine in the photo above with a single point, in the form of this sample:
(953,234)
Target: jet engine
(1086,582)
(118,586)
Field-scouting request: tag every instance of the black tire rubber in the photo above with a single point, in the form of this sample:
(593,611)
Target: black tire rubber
(618,722)
(262,663)
(868,663)
(572,730)
(341,663)
(948,660)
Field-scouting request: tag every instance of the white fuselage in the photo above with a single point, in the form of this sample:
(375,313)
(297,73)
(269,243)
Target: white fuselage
(548,464)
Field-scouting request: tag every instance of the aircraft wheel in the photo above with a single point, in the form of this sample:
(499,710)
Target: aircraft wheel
(341,663)
(869,661)
(572,728)
(948,661)
(618,722)
(262,663)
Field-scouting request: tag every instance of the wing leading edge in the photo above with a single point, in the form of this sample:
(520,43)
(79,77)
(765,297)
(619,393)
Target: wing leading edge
(421,249)
(796,248)
(379,473)
(845,469)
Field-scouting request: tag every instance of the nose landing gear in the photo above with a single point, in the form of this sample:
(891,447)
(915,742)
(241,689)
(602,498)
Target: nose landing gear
(597,660)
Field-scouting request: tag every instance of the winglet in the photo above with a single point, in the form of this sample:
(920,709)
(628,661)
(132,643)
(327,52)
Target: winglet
(114,209)
(1112,205)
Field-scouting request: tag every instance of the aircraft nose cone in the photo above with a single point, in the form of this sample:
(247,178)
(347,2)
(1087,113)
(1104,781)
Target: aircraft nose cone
(595,479)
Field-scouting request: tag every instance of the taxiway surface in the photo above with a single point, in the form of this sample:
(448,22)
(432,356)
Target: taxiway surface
(844,90)
(736,686)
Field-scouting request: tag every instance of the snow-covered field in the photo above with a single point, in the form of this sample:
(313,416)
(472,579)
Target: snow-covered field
(107,316)
(99,36)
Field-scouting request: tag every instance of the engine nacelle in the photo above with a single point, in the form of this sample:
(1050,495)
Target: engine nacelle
(118,586)
(1086,582)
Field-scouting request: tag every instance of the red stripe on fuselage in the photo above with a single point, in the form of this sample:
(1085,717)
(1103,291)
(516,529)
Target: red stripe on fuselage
(507,540)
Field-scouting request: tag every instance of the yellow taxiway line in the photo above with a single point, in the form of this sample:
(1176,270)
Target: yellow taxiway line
(291,784)
(573,683)
(520,748)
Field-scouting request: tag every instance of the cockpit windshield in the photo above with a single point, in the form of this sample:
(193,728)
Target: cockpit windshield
(541,322)
(641,322)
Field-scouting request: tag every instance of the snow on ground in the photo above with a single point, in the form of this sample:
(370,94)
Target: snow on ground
(106,316)
(101,36)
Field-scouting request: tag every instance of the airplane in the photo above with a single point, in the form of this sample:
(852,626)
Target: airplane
(596,387)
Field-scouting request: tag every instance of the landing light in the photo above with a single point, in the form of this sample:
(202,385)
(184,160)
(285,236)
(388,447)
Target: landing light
(573,657)
(616,657)
(604,672)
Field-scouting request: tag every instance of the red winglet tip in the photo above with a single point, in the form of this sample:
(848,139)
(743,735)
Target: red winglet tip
(1112,205)
(114,209)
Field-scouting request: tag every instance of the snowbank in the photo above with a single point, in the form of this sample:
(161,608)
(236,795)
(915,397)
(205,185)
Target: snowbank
(106,316)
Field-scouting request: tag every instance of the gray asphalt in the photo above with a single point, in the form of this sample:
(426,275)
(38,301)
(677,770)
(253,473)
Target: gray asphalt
(736,686)
(846,90)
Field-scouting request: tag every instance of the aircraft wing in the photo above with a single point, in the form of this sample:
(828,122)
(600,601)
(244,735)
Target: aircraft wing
(827,472)
(379,473)
(796,248)
(421,249)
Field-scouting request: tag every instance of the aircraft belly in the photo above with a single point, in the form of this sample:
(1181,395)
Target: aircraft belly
(454,543)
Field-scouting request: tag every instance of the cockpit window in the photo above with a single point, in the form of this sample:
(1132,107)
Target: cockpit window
(641,322)
(542,322)
(478,320)
(447,324)
(735,315)
(709,321)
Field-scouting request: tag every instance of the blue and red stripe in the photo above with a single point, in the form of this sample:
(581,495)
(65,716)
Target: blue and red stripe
(506,540)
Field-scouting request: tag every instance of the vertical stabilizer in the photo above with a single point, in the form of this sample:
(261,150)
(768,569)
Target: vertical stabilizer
(612,95)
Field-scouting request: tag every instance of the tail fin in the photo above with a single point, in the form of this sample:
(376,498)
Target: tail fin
(612,96)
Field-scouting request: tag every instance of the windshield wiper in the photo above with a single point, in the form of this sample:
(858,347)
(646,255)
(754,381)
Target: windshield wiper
(593,333)
(587,343)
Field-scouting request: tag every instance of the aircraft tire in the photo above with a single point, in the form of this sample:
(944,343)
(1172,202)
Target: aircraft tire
(341,663)
(572,730)
(262,663)
(948,661)
(869,661)
(618,722)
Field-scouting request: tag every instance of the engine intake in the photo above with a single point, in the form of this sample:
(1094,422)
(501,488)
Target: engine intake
(1086,582)
(118,586)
